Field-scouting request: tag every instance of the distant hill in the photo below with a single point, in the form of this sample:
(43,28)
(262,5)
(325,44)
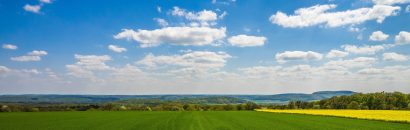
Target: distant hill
(200,99)
(284,98)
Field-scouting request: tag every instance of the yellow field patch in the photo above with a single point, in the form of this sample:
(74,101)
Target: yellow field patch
(386,115)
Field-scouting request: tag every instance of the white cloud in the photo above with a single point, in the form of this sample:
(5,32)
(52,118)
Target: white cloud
(297,55)
(394,57)
(86,65)
(366,49)
(92,62)
(221,16)
(370,71)
(30,71)
(319,15)
(178,11)
(32,8)
(261,71)
(407,9)
(31,56)
(46,1)
(37,53)
(196,36)
(190,65)
(336,54)
(117,49)
(187,66)
(402,38)
(26,58)
(204,18)
(378,36)
(190,59)
(353,63)
(4,69)
(9,46)
(355,29)
(246,41)
(161,22)
(390,2)
(204,15)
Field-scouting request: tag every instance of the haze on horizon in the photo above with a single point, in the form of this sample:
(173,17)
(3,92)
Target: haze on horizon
(204,46)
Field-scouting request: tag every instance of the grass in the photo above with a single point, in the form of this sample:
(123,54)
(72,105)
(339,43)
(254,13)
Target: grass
(212,120)
(384,115)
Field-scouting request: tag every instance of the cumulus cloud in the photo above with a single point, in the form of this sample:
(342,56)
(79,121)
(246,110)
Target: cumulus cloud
(390,2)
(402,38)
(195,36)
(378,36)
(246,41)
(204,15)
(190,59)
(204,18)
(117,49)
(161,22)
(407,9)
(87,64)
(189,65)
(320,15)
(336,54)
(366,49)
(297,55)
(32,8)
(358,62)
(394,57)
(31,56)
(9,46)
(92,62)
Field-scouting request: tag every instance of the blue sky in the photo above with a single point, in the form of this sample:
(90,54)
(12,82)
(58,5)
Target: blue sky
(203,47)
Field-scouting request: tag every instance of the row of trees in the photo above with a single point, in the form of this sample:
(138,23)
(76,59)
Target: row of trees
(370,101)
(129,107)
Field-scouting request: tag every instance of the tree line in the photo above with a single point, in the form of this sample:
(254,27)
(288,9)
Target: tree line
(129,107)
(370,101)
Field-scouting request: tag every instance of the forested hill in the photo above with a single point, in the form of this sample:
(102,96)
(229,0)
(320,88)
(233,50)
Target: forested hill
(200,99)
(285,98)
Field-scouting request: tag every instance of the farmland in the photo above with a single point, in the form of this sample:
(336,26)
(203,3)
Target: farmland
(385,115)
(194,120)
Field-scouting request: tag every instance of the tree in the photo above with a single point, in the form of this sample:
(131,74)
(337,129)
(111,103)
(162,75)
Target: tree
(353,105)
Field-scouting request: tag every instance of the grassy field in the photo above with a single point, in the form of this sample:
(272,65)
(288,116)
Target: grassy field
(235,120)
(385,115)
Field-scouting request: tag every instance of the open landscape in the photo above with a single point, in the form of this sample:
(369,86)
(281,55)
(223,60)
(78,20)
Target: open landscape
(340,110)
(204,65)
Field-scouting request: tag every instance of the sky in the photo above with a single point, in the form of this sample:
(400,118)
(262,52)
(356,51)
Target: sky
(203,46)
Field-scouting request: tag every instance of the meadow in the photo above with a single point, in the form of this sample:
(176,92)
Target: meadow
(384,115)
(184,120)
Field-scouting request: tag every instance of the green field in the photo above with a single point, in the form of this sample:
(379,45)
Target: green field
(223,120)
